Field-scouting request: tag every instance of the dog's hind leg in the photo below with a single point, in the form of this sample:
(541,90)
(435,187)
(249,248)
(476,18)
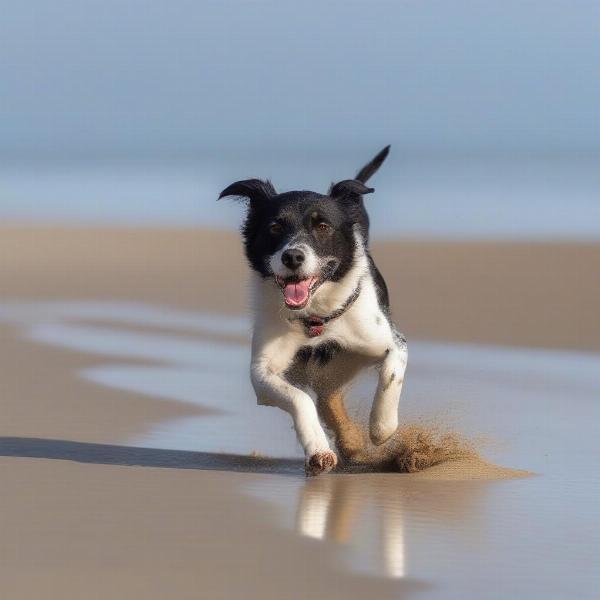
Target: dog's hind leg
(349,439)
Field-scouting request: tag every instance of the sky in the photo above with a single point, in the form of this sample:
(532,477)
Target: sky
(158,77)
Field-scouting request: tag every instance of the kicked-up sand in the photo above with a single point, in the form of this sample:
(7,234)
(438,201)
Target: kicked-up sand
(135,461)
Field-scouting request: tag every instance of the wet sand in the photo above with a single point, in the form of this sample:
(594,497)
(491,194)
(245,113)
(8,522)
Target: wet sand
(114,484)
(94,531)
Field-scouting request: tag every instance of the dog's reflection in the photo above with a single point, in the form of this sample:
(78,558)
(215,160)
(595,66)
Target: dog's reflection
(330,507)
(376,513)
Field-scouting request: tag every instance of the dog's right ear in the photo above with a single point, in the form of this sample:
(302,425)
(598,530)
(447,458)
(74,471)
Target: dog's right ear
(255,190)
(349,188)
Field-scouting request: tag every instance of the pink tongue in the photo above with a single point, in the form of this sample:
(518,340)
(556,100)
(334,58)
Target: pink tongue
(296,294)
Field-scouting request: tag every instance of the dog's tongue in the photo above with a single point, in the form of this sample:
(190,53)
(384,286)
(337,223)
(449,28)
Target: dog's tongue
(296,294)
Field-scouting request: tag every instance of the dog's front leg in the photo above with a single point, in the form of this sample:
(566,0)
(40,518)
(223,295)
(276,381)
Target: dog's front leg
(272,389)
(384,412)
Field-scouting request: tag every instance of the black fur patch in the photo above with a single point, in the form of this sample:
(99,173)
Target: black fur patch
(390,381)
(325,352)
(303,355)
(383,297)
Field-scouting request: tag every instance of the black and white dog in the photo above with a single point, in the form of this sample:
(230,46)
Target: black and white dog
(321,312)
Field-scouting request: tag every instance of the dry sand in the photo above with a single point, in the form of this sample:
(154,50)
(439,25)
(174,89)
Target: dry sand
(104,529)
(516,294)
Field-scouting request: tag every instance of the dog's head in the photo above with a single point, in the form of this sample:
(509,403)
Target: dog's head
(303,239)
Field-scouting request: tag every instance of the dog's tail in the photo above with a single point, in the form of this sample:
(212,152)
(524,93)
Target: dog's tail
(371,168)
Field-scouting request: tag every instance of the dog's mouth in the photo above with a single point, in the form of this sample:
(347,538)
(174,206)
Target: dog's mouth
(297,292)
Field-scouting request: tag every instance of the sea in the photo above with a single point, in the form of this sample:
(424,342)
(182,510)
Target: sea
(435,197)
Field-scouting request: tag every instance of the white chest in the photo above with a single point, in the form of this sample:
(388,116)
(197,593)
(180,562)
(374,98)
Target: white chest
(278,334)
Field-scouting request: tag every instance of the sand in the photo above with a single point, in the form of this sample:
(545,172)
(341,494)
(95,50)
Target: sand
(85,516)
(98,532)
(515,294)
(430,452)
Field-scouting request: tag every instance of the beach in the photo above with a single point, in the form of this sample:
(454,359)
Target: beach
(459,141)
(117,413)
(539,294)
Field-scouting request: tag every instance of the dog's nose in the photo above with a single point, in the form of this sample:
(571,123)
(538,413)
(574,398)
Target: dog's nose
(292,258)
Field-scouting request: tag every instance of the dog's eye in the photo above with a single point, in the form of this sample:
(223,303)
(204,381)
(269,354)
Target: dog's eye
(323,227)
(275,228)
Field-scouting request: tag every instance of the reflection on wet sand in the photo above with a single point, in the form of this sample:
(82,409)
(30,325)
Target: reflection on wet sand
(371,515)
(329,508)
(368,514)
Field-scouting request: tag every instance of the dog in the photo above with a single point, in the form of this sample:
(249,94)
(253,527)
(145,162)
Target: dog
(321,312)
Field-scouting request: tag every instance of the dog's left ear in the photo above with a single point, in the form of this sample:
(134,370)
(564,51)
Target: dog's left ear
(256,190)
(349,188)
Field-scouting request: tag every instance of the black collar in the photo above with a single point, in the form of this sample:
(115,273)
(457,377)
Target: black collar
(314,325)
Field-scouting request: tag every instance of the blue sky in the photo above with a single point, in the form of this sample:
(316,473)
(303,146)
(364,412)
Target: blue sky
(178,76)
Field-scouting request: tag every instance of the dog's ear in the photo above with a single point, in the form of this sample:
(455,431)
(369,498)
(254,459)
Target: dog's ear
(349,188)
(256,190)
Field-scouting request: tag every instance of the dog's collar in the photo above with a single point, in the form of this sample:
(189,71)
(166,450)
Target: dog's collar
(315,325)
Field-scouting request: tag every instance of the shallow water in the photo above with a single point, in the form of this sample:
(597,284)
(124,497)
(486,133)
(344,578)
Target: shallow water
(532,409)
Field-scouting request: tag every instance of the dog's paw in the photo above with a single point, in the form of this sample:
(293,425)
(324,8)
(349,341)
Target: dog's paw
(382,432)
(320,462)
